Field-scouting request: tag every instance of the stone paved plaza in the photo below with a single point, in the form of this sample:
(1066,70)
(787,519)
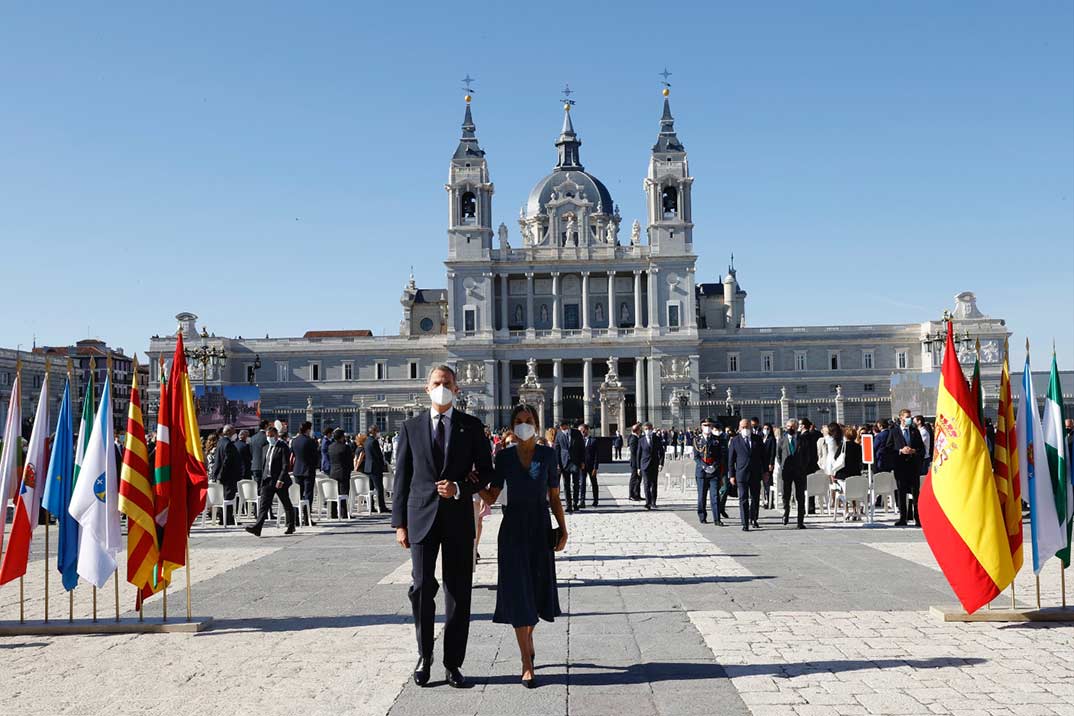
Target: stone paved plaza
(662,616)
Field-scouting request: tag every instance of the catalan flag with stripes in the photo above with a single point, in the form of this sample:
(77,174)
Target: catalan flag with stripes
(1005,464)
(959,505)
(136,502)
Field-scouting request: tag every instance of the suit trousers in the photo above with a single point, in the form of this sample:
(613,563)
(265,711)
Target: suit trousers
(268,491)
(745,492)
(797,482)
(634,490)
(907,485)
(708,491)
(457,575)
(652,481)
(725,485)
(377,481)
(306,483)
(756,484)
(592,475)
(568,481)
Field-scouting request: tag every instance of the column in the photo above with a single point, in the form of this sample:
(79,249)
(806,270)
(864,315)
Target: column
(530,323)
(637,298)
(639,388)
(652,384)
(611,311)
(690,319)
(555,300)
(654,314)
(557,391)
(504,306)
(585,302)
(587,387)
(505,389)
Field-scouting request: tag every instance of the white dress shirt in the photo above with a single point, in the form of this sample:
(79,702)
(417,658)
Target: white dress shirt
(446,417)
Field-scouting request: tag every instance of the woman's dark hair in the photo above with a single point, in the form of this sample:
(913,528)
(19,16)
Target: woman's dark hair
(835,430)
(526,408)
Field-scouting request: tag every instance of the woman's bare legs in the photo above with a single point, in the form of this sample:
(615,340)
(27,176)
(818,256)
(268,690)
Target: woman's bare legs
(524,635)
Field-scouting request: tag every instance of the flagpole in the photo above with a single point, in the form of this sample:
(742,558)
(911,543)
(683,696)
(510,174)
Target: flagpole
(47,519)
(165,602)
(22,614)
(188,575)
(70,606)
(1063,582)
(1038,591)
(18,399)
(1014,602)
(116,580)
(140,601)
(94,603)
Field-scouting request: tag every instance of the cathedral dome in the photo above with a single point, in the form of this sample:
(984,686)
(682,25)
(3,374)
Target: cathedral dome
(574,183)
(569,178)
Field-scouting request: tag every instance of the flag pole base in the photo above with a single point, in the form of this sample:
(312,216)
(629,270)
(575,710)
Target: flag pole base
(151,625)
(1027,614)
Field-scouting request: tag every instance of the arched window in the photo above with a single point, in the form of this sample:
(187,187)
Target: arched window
(669,201)
(468,208)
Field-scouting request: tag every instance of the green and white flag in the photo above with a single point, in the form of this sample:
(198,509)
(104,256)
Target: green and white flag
(1058,467)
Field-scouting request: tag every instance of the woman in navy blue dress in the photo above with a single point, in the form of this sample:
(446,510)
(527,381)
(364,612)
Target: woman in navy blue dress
(526,589)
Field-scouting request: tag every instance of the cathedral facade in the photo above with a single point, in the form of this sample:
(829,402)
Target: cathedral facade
(591,320)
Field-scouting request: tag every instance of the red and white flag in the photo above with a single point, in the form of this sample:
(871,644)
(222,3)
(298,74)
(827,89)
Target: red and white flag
(28,500)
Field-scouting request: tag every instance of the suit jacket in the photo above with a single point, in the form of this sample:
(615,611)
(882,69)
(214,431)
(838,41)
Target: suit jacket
(340,461)
(277,464)
(769,450)
(884,451)
(258,443)
(813,435)
(228,466)
(632,445)
(650,453)
(796,465)
(245,457)
(907,466)
(373,464)
(570,450)
(415,501)
(746,458)
(591,461)
(307,455)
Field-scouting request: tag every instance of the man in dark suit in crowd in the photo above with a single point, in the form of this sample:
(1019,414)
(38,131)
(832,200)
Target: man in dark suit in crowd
(650,460)
(570,451)
(373,465)
(275,482)
(634,486)
(793,454)
(909,452)
(745,470)
(258,446)
(724,438)
(227,470)
(307,458)
(590,464)
(432,510)
(811,434)
(246,456)
(883,450)
(708,458)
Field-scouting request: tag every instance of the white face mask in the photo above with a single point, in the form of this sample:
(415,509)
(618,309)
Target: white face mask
(441,395)
(765,431)
(744,432)
(272,441)
(706,430)
(525,431)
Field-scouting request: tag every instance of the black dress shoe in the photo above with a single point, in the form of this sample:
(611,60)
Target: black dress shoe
(648,506)
(455,678)
(900,523)
(745,529)
(290,530)
(254,531)
(786,519)
(703,520)
(755,525)
(801,527)
(718,523)
(421,672)
(723,514)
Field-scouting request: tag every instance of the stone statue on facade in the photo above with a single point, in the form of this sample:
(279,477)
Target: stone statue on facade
(505,246)
(571,237)
(530,381)
(611,234)
(635,234)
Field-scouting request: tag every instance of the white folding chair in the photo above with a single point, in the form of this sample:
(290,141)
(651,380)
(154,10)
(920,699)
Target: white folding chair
(361,488)
(884,486)
(817,486)
(855,489)
(330,493)
(297,503)
(689,469)
(214,500)
(247,496)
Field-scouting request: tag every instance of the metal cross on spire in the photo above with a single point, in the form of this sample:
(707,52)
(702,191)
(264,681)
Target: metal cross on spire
(567,92)
(665,74)
(468,80)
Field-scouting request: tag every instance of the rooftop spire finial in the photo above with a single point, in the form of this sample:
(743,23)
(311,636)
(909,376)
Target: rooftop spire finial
(667,85)
(567,101)
(467,81)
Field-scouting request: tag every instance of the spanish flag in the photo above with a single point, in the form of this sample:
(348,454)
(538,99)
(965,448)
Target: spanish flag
(1008,483)
(959,506)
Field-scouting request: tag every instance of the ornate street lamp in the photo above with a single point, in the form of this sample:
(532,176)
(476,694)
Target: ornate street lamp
(206,356)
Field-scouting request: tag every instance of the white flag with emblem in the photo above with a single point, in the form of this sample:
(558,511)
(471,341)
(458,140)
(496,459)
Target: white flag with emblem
(95,502)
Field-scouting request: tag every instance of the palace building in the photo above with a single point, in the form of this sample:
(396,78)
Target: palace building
(593,320)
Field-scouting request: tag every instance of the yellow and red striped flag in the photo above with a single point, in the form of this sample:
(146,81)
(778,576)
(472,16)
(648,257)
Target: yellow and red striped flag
(1005,464)
(136,501)
(959,506)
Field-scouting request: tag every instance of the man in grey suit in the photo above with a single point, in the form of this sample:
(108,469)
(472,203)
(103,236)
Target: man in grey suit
(745,470)
(793,454)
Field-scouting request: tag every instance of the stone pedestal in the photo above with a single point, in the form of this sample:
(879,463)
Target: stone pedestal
(531,392)
(612,400)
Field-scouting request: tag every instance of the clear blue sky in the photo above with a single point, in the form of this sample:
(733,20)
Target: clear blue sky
(278,167)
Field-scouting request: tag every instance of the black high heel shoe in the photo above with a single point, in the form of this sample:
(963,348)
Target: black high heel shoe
(530,683)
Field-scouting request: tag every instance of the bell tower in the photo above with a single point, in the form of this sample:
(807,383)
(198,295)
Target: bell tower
(469,194)
(667,189)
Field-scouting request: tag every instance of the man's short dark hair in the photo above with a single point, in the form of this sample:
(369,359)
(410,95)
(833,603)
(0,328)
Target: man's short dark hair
(806,423)
(305,427)
(265,423)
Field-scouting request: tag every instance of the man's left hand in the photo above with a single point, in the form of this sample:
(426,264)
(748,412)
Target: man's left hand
(446,489)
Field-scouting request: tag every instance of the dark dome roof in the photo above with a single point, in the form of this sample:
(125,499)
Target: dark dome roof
(594,190)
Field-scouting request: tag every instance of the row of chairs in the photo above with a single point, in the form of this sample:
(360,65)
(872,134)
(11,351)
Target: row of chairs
(247,499)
